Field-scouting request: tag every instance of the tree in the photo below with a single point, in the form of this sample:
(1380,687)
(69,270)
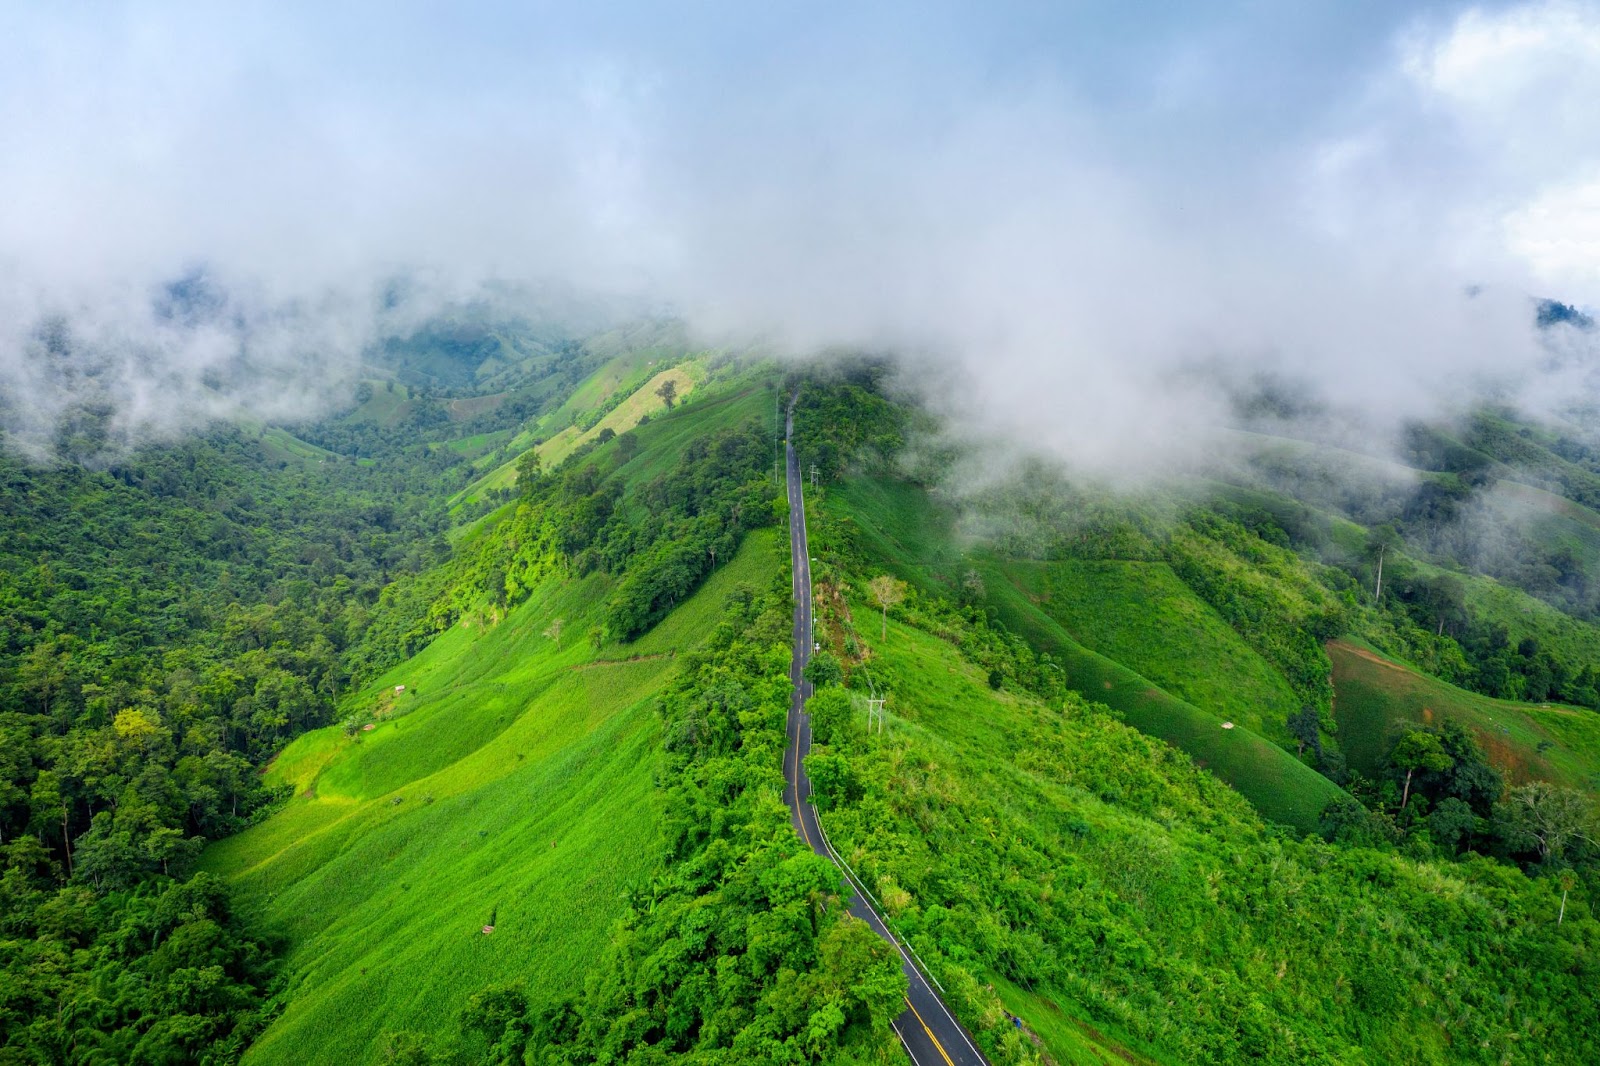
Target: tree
(1568,881)
(1451,824)
(1546,818)
(1471,779)
(499,1013)
(528,470)
(1305,726)
(887,592)
(1381,540)
(832,714)
(1346,821)
(668,392)
(823,670)
(44,670)
(1418,750)
(1446,599)
(553,631)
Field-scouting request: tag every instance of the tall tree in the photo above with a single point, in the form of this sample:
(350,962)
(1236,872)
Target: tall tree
(887,592)
(1381,541)
(528,470)
(1305,725)
(1547,819)
(1418,750)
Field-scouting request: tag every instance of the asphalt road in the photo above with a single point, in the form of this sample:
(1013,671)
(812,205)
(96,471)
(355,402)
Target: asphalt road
(930,1033)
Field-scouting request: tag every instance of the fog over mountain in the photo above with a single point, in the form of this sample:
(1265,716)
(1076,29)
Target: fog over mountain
(1090,231)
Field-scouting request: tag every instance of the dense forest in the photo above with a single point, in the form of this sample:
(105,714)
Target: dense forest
(169,618)
(169,622)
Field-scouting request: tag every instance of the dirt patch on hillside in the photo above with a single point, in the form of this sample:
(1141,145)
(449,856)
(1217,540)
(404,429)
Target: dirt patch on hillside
(1502,756)
(1363,653)
(597,663)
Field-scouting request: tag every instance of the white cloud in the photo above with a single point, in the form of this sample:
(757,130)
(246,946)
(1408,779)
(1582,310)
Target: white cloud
(1520,89)
(1073,258)
(1558,234)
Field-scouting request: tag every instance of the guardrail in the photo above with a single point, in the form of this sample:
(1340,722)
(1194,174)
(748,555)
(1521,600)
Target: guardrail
(904,946)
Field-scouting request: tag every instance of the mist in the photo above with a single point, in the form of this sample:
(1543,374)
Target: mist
(1082,234)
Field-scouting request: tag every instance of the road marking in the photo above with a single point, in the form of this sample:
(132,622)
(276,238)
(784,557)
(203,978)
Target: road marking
(937,1046)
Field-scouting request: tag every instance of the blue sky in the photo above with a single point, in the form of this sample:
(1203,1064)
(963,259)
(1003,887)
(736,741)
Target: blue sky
(1054,199)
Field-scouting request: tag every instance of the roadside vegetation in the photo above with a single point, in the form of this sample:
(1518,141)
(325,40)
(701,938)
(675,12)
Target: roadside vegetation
(1025,839)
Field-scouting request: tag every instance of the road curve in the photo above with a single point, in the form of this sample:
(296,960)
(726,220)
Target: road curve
(930,1033)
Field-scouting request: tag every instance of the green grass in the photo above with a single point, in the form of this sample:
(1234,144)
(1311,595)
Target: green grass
(1070,1041)
(941,703)
(1279,785)
(625,416)
(624,374)
(385,407)
(641,401)
(1141,912)
(1142,615)
(511,778)
(283,443)
(900,527)
(663,440)
(1375,695)
(477,444)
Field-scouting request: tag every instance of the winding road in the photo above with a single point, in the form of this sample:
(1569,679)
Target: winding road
(930,1033)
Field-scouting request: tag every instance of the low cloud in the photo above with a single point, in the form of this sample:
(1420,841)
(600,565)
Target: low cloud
(1089,238)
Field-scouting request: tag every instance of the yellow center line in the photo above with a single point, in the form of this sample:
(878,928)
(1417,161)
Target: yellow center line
(799,813)
(937,1046)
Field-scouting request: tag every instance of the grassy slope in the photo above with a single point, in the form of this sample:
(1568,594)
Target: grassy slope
(386,406)
(477,444)
(642,401)
(1549,516)
(512,780)
(1375,694)
(1167,903)
(625,416)
(1280,786)
(898,524)
(1143,616)
(281,442)
(943,701)
(663,439)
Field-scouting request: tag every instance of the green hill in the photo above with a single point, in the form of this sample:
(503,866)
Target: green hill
(1527,741)
(900,526)
(625,389)
(511,782)
(1127,908)
(1141,615)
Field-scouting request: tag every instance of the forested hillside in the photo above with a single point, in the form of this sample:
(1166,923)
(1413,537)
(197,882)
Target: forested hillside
(169,618)
(466,705)
(1121,903)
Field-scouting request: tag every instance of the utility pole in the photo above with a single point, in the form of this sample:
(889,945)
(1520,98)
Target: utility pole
(876,714)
